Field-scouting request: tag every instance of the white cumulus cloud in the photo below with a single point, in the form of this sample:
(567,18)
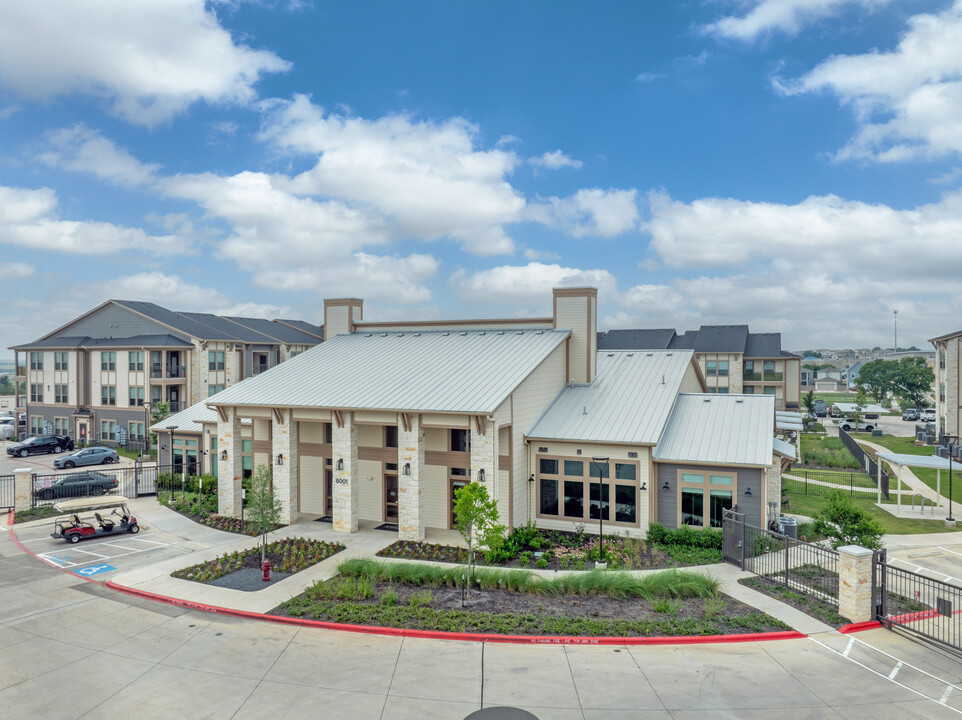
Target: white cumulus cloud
(907,102)
(81,149)
(786,16)
(527,285)
(555,160)
(589,212)
(149,59)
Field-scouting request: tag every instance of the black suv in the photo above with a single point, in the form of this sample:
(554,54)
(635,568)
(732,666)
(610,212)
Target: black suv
(41,444)
(75,485)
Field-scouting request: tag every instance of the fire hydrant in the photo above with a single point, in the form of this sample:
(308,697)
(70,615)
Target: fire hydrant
(266,569)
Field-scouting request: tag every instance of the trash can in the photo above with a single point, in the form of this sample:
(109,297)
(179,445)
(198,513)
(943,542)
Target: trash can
(788,526)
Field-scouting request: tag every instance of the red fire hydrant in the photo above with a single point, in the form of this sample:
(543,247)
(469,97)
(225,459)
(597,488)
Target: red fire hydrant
(266,569)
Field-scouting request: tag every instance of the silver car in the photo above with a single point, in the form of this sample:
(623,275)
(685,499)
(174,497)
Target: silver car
(87,456)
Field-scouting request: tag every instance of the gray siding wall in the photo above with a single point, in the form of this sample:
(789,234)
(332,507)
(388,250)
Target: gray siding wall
(115,321)
(751,505)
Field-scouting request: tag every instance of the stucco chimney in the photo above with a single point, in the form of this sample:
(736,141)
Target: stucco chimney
(576,309)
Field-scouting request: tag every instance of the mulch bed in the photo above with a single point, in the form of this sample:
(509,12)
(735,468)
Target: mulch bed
(504,612)
(289,556)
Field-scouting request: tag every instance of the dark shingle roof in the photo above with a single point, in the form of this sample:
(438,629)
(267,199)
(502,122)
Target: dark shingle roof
(83,342)
(316,330)
(721,338)
(764,345)
(635,339)
(278,331)
(684,342)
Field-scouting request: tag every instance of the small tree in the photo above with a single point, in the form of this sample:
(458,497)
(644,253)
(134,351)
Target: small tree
(476,517)
(810,401)
(263,506)
(861,400)
(844,523)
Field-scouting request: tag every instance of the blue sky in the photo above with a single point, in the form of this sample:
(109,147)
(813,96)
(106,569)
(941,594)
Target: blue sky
(791,164)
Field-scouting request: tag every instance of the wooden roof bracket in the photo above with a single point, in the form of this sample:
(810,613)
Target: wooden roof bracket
(278,415)
(338,418)
(479,424)
(221,413)
(405,422)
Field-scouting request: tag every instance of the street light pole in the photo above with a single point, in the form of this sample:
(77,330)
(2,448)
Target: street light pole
(600,462)
(952,442)
(895,315)
(170,429)
(147,428)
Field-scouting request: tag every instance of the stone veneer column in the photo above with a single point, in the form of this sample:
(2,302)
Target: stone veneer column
(773,491)
(484,455)
(345,479)
(286,479)
(855,583)
(411,486)
(22,489)
(229,471)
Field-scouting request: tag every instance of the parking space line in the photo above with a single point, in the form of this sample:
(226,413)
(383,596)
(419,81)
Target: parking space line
(52,557)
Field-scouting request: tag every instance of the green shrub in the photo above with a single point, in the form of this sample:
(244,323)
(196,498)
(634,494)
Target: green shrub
(685,536)
(542,563)
(389,598)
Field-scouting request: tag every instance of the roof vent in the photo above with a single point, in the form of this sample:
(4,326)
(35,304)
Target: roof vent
(540,332)
(708,399)
(662,378)
(445,334)
(648,354)
(667,354)
(611,354)
(500,332)
(739,400)
(520,332)
(463,334)
(584,410)
(631,354)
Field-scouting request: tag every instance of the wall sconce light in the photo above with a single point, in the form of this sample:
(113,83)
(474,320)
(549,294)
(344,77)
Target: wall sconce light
(223,454)
(644,486)
(531,479)
(407,468)
(666,486)
(279,460)
(748,491)
(339,465)
(481,475)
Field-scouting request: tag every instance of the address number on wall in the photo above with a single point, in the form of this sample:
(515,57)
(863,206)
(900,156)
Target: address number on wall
(342,481)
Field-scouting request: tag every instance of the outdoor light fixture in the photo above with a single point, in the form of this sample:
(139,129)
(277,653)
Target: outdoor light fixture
(223,454)
(481,475)
(340,464)
(748,491)
(600,462)
(644,486)
(279,460)
(531,479)
(407,468)
(666,486)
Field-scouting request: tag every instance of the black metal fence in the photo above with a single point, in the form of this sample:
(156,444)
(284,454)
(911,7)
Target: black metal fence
(917,605)
(802,481)
(128,482)
(803,567)
(865,460)
(7,491)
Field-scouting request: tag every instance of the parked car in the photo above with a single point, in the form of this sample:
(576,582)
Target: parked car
(81,484)
(910,414)
(848,424)
(41,444)
(928,415)
(8,427)
(88,456)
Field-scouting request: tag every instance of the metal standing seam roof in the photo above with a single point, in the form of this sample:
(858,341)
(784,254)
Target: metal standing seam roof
(628,402)
(191,419)
(933,462)
(783,447)
(722,429)
(421,371)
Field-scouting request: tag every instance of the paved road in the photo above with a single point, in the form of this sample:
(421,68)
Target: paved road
(70,648)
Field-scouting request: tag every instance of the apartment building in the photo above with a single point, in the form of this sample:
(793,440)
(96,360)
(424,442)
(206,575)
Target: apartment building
(97,377)
(732,359)
(948,379)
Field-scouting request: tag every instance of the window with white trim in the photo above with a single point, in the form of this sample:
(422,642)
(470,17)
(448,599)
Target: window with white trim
(704,497)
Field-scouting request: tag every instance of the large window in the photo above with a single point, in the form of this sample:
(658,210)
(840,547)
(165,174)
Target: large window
(460,441)
(36,361)
(61,426)
(108,394)
(60,393)
(135,431)
(704,497)
(36,425)
(136,396)
(247,459)
(711,368)
(60,361)
(108,430)
(36,393)
(214,389)
(390,436)
(580,490)
(723,368)
(215,360)
(135,360)
(108,361)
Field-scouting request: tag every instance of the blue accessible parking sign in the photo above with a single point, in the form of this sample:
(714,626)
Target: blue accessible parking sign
(94,569)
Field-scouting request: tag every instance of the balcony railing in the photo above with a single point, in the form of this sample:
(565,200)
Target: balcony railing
(774,376)
(751,376)
(258,369)
(156,371)
(174,406)
(176,371)
(21,371)
(135,403)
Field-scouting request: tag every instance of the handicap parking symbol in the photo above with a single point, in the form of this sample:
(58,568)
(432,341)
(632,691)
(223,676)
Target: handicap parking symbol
(94,569)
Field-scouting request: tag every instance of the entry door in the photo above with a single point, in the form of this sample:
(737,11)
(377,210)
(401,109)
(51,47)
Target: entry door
(456,484)
(82,432)
(329,492)
(390,497)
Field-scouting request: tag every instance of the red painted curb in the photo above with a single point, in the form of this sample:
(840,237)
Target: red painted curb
(429,634)
(859,626)
(477,637)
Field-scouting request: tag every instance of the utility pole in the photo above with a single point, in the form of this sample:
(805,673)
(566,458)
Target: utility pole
(895,314)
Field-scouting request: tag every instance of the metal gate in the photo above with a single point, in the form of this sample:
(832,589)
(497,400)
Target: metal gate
(129,482)
(804,567)
(919,606)
(7,491)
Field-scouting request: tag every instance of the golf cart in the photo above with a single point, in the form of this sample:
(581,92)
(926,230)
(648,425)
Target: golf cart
(72,528)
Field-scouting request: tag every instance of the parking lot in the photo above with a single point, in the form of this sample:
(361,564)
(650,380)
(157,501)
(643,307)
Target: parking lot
(37,463)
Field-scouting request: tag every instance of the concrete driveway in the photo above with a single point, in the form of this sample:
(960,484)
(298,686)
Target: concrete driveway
(70,648)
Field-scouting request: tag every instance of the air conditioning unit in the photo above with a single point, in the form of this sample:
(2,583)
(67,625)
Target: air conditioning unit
(920,436)
(941,451)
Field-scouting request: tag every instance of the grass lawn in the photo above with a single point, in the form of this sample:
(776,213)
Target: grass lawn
(809,505)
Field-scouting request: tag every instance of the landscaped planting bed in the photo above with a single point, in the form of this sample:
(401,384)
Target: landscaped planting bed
(517,602)
(556,550)
(205,513)
(288,556)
